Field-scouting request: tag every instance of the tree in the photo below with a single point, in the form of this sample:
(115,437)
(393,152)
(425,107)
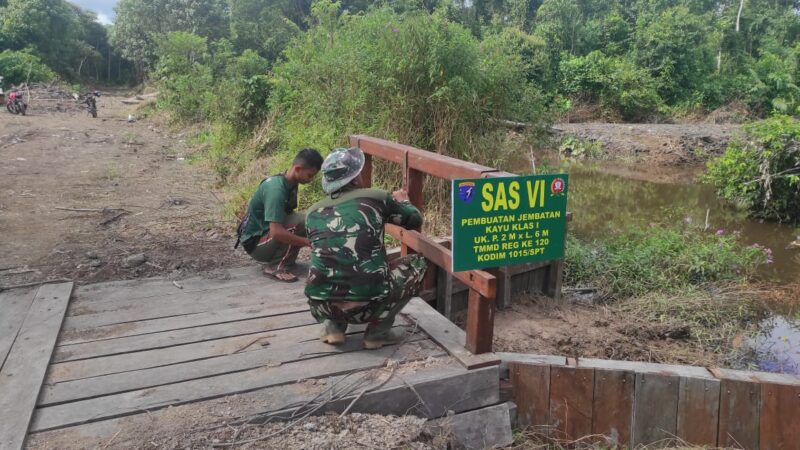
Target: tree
(267,26)
(140,22)
(673,46)
(34,23)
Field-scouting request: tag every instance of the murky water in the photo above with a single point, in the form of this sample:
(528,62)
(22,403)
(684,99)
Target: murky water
(603,202)
(606,198)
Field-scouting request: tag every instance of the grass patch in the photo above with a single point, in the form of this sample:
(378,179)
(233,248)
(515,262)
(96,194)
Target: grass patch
(658,258)
(715,318)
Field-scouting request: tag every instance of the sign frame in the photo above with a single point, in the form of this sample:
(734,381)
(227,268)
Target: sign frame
(515,220)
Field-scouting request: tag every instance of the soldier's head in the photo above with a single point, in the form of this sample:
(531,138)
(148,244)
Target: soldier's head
(305,166)
(342,168)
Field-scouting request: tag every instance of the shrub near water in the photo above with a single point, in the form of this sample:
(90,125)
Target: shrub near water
(658,258)
(762,173)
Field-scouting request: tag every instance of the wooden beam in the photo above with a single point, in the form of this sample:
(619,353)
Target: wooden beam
(739,414)
(480,323)
(427,162)
(382,149)
(698,411)
(185,336)
(146,400)
(290,346)
(446,334)
(531,393)
(780,416)
(445,167)
(416,181)
(481,281)
(655,416)
(14,305)
(571,396)
(141,327)
(22,374)
(613,406)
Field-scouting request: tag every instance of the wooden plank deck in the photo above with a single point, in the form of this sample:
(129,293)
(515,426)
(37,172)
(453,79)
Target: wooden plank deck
(31,345)
(132,351)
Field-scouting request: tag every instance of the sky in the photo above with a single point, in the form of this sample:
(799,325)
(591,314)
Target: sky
(103,8)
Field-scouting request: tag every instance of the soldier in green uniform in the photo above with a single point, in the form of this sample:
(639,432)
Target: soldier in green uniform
(349,280)
(271,232)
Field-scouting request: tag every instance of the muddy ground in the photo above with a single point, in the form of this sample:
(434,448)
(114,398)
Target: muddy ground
(655,144)
(80,198)
(536,324)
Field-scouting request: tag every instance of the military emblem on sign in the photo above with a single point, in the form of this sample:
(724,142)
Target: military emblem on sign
(557,187)
(466,191)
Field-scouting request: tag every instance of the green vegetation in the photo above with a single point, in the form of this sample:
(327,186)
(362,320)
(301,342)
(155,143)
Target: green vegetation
(762,172)
(415,78)
(659,258)
(59,35)
(713,317)
(576,148)
(20,66)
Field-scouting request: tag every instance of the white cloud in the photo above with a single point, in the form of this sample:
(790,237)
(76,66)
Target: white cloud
(103,19)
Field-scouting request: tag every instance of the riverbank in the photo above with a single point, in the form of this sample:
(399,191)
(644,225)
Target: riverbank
(645,176)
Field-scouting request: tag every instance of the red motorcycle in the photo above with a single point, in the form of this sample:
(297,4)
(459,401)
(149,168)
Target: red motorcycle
(15,104)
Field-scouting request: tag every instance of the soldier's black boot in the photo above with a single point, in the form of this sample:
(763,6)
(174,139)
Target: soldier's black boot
(333,332)
(381,333)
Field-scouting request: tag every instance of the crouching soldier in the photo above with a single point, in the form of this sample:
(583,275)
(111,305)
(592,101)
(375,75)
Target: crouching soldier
(349,280)
(271,232)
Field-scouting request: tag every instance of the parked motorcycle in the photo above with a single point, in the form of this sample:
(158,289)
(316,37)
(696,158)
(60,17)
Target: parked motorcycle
(91,102)
(15,104)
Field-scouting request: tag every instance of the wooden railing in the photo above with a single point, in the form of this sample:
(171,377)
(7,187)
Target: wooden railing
(417,164)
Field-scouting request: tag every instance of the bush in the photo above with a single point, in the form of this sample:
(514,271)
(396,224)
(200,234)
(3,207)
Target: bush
(415,78)
(184,79)
(614,82)
(16,66)
(762,173)
(658,258)
(772,85)
(201,83)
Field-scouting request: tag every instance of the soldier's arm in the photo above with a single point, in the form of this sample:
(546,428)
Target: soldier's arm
(402,212)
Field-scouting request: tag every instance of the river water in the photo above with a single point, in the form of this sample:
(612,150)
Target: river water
(606,198)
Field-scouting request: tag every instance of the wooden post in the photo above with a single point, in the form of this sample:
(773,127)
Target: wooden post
(366,172)
(555,274)
(444,293)
(415,180)
(503,275)
(480,323)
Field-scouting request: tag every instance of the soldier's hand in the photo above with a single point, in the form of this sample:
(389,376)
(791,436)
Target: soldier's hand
(400,195)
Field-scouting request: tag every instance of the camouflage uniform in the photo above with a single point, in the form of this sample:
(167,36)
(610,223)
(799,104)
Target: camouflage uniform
(349,278)
(348,257)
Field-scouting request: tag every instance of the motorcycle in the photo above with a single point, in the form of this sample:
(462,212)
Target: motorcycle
(15,104)
(91,102)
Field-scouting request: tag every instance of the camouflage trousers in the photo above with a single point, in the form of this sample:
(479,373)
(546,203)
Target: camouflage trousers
(405,280)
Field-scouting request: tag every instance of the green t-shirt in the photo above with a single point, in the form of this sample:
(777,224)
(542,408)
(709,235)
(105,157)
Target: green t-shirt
(348,256)
(274,199)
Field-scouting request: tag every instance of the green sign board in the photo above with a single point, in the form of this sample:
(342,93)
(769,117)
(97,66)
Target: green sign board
(507,221)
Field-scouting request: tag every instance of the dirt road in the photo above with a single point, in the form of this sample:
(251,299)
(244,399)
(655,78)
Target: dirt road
(81,197)
(656,144)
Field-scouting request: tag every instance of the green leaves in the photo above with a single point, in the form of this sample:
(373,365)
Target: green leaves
(658,258)
(762,172)
(15,67)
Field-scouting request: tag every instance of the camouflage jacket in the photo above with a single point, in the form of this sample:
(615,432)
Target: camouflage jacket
(348,256)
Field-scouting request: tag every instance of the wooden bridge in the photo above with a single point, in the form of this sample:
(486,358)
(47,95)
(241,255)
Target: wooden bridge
(98,366)
(85,365)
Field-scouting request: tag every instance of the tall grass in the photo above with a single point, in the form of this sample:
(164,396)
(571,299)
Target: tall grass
(658,258)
